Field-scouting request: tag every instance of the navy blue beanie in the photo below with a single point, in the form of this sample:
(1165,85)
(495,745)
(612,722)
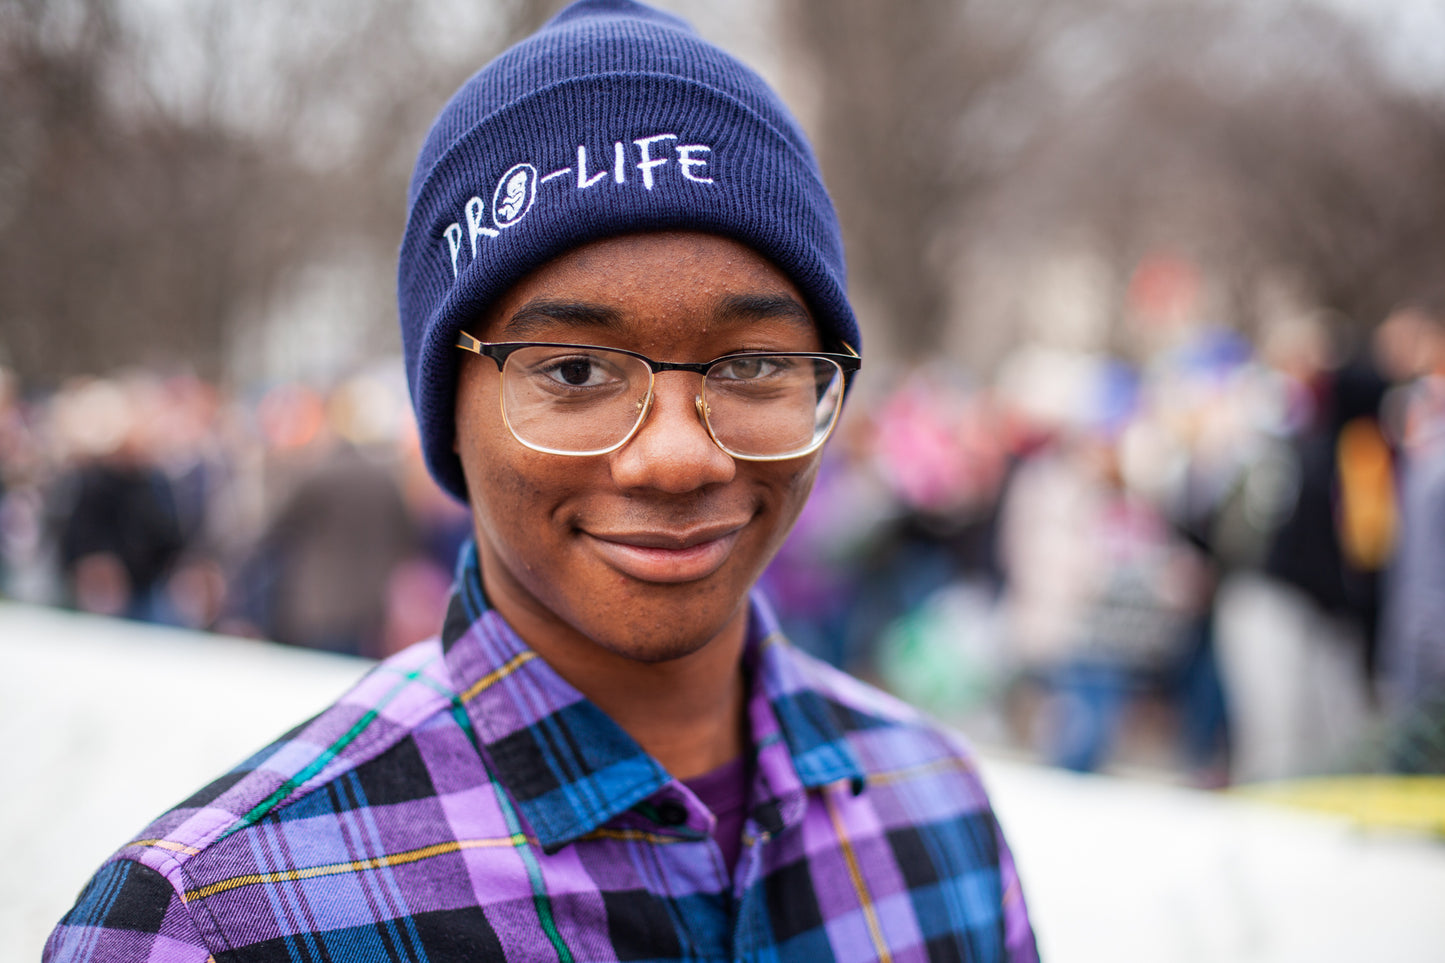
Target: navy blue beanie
(613,118)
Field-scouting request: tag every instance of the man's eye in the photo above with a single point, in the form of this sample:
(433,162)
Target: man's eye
(749,369)
(574,372)
(581,371)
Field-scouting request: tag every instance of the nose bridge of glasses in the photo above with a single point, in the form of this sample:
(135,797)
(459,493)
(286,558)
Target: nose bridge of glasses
(657,388)
(696,367)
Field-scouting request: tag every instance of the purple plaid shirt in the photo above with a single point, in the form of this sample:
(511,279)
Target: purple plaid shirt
(464,802)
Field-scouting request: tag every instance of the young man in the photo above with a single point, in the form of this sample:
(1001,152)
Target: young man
(621,293)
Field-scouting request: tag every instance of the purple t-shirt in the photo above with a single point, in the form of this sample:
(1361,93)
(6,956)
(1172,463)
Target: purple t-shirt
(724,790)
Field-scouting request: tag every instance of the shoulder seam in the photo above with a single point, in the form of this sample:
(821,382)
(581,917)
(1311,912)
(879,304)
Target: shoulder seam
(168,867)
(364,748)
(357,746)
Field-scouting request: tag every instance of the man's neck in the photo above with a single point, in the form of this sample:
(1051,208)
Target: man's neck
(691,719)
(688,713)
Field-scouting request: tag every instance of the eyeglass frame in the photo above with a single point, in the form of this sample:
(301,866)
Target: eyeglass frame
(499,351)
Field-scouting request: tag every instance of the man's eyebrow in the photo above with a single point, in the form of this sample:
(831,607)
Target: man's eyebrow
(542,315)
(759,307)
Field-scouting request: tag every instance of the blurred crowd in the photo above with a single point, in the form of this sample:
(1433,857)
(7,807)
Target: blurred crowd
(1227,559)
(287,513)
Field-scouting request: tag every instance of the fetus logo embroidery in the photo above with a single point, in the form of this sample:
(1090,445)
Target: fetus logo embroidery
(514,195)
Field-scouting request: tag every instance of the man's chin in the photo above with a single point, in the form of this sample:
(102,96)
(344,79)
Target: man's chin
(655,651)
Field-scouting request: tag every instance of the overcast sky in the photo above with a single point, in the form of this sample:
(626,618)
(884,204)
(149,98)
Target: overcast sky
(1412,33)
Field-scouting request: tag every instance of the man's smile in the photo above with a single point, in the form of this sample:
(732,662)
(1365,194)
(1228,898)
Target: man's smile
(666,555)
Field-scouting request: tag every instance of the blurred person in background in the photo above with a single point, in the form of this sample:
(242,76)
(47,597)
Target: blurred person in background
(190,447)
(1100,592)
(1294,627)
(1340,529)
(938,453)
(317,577)
(902,510)
(622,297)
(1411,347)
(1196,444)
(16,462)
(118,525)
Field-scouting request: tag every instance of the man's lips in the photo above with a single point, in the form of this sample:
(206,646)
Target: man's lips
(666,556)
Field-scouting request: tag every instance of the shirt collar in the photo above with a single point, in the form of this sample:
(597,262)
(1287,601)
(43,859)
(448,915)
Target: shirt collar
(569,769)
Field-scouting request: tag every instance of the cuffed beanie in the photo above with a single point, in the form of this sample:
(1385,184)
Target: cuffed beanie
(614,118)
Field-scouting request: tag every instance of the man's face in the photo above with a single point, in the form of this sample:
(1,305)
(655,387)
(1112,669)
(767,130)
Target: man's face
(646,553)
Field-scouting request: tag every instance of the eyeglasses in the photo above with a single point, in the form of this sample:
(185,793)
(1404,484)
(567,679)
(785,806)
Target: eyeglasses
(578,399)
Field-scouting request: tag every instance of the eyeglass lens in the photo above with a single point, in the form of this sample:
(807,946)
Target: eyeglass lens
(589,400)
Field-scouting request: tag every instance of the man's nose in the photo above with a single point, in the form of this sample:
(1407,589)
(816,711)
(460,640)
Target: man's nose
(673,450)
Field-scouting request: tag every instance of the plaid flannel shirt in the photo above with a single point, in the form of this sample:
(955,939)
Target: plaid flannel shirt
(464,802)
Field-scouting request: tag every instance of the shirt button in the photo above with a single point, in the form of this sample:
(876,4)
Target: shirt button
(670,812)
